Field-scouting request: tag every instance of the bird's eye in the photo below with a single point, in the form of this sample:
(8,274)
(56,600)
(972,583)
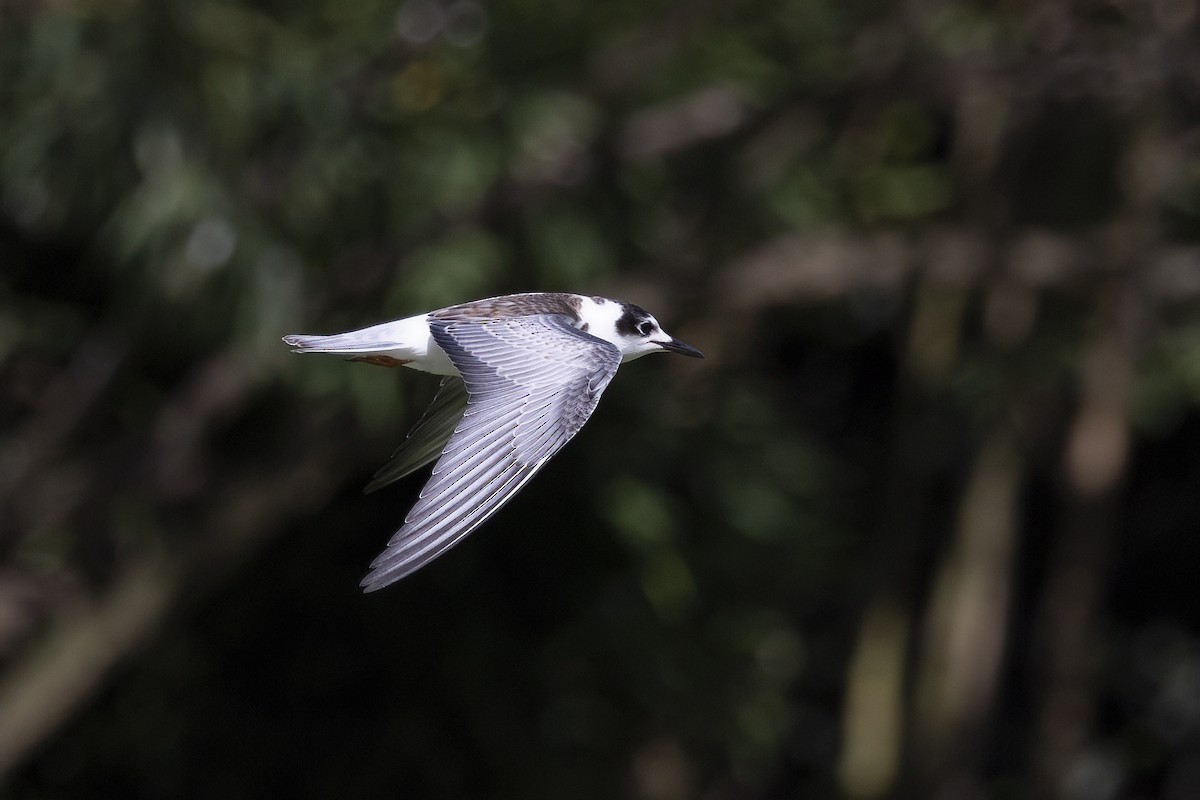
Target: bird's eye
(645,328)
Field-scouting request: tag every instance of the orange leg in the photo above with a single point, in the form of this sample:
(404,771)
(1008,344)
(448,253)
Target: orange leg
(381,361)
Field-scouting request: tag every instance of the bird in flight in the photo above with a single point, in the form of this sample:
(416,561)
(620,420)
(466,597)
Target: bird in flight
(523,373)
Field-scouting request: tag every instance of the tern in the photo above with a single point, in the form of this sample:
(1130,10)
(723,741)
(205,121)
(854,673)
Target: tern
(523,373)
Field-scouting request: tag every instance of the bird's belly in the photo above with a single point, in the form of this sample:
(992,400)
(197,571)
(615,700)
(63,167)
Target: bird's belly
(433,360)
(414,346)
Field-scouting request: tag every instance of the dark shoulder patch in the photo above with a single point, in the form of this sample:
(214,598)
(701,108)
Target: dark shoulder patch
(631,316)
(514,305)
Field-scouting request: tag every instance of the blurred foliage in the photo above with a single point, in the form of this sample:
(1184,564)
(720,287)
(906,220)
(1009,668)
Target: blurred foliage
(924,523)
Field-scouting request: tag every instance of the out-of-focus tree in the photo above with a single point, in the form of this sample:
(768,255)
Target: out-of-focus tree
(923,524)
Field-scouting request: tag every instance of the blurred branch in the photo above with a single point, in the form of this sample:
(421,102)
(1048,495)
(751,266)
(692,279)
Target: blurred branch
(1094,462)
(873,716)
(48,684)
(967,618)
(625,64)
(660,130)
(815,268)
(877,716)
(246,508)
(1095,458)
(58,412)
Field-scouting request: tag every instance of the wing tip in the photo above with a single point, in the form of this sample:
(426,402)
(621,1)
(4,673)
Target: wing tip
(386,569)
(369,585)
(377,579)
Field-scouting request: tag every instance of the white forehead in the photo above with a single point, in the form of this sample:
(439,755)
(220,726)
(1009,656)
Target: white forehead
(617,323)
(614,322)
(600,315)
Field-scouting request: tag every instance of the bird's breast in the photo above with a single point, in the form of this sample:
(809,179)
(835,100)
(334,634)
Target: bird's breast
(433,360)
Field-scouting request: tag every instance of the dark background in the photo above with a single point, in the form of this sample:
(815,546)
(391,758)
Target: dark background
(923,525)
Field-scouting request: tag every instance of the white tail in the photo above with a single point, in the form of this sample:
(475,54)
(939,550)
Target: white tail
(353,342)
(404,342)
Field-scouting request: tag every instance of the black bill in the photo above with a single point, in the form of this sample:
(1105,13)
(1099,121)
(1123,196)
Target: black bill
(676,346)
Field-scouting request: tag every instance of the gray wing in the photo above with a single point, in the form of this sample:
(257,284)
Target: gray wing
(427,438)
(532,383)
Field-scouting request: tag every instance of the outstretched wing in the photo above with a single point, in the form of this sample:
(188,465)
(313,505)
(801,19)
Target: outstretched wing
(532,382)
(427,438)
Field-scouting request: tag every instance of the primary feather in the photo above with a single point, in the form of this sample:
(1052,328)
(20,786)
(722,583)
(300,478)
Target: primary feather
(523,374)
(531,384)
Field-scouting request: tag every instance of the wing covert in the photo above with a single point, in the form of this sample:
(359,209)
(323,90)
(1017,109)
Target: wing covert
(531,384)
(428,437)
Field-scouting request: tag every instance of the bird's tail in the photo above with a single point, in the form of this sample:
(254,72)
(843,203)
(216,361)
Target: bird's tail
(389,344)
(401,338)
(352,342)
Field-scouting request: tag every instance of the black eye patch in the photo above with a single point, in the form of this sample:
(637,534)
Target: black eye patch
(631,320)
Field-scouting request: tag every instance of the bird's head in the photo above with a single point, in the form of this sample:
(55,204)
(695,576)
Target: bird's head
(631,328)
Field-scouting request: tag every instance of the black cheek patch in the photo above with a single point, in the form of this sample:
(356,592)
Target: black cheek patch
(631,316)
